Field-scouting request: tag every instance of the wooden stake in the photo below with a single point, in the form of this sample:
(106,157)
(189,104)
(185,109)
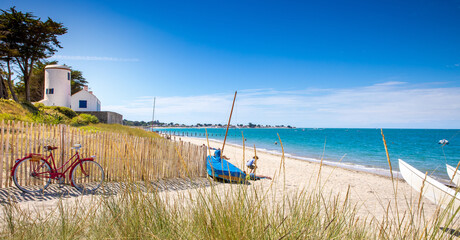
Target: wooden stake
(255,159)
(228,124)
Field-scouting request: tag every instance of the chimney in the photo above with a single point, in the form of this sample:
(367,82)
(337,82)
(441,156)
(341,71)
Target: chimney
(85,87)
(91,92)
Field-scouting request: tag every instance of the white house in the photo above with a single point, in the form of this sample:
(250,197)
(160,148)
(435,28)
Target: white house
(57,86)
(85,101)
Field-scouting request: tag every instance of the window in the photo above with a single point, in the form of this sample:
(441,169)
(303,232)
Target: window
(68,76)
(83,104)
(50,91)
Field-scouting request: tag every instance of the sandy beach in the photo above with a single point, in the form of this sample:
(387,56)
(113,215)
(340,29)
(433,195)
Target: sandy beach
(371,193)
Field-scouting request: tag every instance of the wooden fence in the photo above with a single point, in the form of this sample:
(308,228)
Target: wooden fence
(123,157)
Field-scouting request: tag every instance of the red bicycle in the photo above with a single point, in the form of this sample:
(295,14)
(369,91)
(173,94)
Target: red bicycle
(34,172)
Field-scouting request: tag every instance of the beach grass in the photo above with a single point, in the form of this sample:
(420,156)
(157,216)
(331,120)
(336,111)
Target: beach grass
(242,213)
(117,128)
(219,211)
(227,211)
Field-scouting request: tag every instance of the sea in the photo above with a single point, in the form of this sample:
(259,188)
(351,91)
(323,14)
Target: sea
(353,148)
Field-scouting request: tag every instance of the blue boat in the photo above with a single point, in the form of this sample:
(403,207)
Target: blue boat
(220,168)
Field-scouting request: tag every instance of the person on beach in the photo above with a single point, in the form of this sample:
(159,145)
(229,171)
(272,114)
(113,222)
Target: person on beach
(217,153)
(251,164)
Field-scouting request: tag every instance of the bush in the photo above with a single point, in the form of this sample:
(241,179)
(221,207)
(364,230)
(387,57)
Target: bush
(43,117)
(83,119)
(66,111)
(63,110)
(30,107)
(39,105)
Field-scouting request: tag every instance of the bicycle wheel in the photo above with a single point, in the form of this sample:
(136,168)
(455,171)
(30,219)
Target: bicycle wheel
(87,176)
(32,176)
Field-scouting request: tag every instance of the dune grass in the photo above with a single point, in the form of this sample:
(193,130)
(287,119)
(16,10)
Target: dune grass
(117,128)
(225,211)
(204,214)
(221,211)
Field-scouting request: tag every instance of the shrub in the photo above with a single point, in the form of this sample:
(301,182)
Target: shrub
(83,119)
(39,105)
(66,111)
(30,107)
(63,110)
(6,116)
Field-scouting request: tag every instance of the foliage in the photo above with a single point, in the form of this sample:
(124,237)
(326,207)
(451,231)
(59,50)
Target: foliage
(11,110)
(37,81)
(30,107)
(65,110)
(77,81)
(39,113)
(27,40)
(117,128)
(12,107)
(83,119)
(138,123)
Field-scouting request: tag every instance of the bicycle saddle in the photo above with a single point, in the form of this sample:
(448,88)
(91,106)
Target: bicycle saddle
(49,148)
(76,146)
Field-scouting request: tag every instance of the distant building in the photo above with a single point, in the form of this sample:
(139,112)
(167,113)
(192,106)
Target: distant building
(85,100)
(57,86)
(58,93)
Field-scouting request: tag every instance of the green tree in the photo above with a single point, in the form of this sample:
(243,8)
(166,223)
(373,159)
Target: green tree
(37,81)
(32,38)
(7,54)
(77,81)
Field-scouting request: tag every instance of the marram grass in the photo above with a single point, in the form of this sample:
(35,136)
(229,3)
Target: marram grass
(205,213)
(221,211)
(224,211)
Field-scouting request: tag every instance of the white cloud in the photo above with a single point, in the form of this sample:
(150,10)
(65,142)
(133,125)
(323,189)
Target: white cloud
(391,83)
(392,104)
(93,58)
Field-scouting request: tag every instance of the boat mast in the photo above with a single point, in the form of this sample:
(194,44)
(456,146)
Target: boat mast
(153,115)
(228,125)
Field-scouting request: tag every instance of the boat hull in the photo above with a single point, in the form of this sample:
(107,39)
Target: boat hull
(222,169)
(454,175)
(435,191)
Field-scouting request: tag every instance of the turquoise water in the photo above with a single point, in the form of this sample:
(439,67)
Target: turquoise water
(361,149)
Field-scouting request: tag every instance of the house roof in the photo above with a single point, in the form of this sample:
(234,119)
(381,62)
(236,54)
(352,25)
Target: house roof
(83,90)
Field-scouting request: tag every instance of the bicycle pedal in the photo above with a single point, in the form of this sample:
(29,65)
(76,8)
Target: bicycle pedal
(61,181)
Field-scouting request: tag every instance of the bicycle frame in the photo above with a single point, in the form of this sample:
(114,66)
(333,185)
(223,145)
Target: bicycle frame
(56,172)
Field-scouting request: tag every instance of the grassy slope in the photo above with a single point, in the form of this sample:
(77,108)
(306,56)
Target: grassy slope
(117,128)
(10,110)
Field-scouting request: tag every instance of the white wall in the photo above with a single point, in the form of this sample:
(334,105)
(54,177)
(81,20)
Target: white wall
(92,102)
(57,78)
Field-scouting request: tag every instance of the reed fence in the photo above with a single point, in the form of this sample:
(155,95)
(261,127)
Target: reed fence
(123,157)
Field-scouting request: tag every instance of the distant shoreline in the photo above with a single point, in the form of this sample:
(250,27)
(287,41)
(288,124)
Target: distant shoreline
(225,127)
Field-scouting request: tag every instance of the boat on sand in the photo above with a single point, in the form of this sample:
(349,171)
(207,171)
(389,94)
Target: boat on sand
(454,175)
(435,191)
(220,168)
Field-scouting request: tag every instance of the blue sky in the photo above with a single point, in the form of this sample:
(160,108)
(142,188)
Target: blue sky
(303,63)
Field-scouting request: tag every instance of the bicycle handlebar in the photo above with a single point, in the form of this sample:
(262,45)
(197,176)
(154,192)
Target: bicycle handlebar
(49,148)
